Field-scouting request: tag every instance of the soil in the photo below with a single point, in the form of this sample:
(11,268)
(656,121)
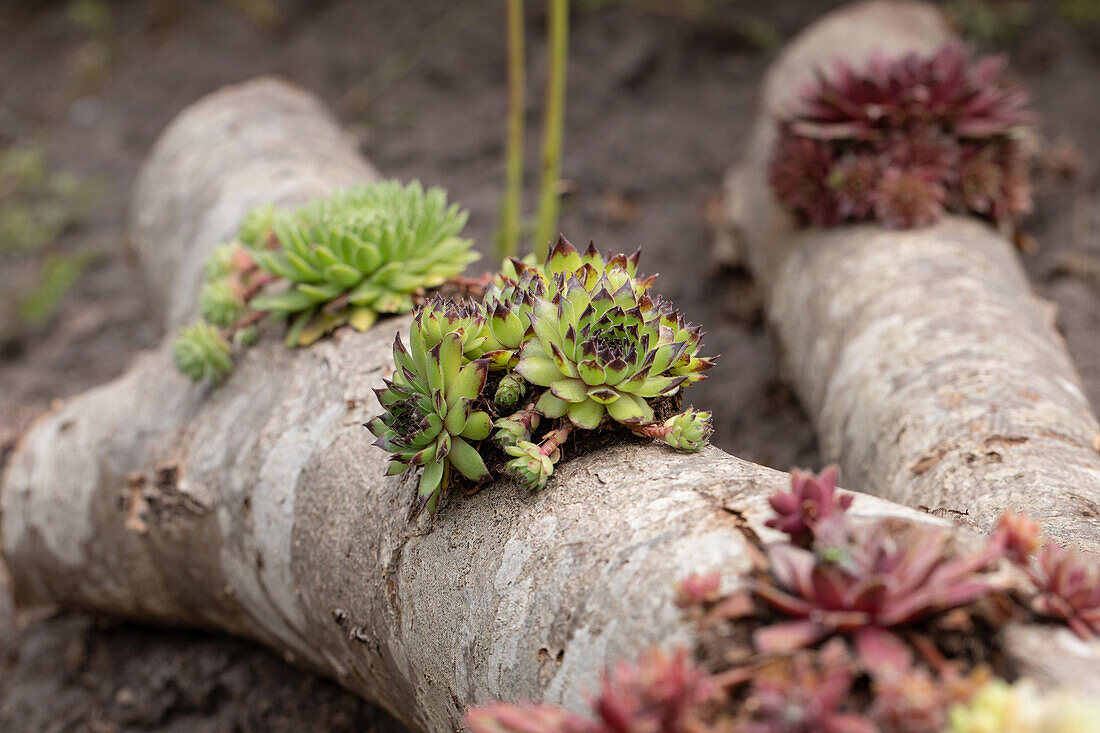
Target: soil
(658,105)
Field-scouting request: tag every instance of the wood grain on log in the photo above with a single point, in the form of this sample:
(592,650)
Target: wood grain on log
(931,372)
(259,507)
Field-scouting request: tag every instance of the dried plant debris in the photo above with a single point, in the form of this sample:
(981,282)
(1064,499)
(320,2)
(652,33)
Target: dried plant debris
(851,626)
(577,341)
(343,260)
(904,140)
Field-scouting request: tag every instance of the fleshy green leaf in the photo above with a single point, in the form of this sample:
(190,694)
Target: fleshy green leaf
(586,414)
(630,409)
(478,426)
(467,460)
(551,406)
(570,390)
(536,370)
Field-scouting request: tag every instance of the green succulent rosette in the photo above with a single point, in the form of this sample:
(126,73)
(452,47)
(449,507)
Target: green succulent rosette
(360,253)
(221,302)
(201,352)
(529,465)
(574,342)
(601,350)
(510,390)
(429,419)
(439,317)
(508,305)
(515,428)
(688,431)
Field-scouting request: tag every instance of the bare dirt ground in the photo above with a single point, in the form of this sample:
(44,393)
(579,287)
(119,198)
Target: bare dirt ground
(658,104)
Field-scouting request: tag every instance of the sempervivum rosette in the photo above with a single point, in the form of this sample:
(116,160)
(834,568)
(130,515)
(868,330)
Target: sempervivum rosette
(605,350)
(430,419)
(572,345)
(903,140)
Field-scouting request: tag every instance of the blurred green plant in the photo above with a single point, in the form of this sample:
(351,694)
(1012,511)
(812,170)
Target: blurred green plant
(37,205)
(93,16)
(57,276)
(1080,12)
(994,23)
(759,33)
(346,259)
(263,13)
(94,56)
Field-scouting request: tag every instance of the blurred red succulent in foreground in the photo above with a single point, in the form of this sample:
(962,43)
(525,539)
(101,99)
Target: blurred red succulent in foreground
(659,694)
(1068,582)
(805,693)
(837,639)
(811,501)
(698,590)
(1018,536)
(882,579)
(903,139)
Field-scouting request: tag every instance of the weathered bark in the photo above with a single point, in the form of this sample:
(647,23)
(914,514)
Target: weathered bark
(259,507)
(932,373)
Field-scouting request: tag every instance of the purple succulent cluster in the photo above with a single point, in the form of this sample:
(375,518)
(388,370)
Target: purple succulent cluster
(1068,588)
(845,641)
(904,140)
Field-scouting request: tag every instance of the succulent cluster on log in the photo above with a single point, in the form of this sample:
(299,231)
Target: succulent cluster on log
(903,140)
(857,628)
(578,337)
(340,260)
(850,622)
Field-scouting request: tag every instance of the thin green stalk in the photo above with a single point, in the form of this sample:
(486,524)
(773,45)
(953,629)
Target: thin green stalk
(553,124)
(511,206)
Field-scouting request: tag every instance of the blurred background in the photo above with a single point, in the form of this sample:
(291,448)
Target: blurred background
(660,96)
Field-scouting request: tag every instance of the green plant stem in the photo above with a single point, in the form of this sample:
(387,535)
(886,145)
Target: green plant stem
(553,124)
(244,322)
(511,207)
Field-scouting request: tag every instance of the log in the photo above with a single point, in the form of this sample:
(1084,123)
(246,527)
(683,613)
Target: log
(932,374)
(258,507)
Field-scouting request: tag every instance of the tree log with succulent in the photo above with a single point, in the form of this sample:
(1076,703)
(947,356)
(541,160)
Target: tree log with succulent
(854,627)
(581,328)
(875,205)
(257,505)
(343,259)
